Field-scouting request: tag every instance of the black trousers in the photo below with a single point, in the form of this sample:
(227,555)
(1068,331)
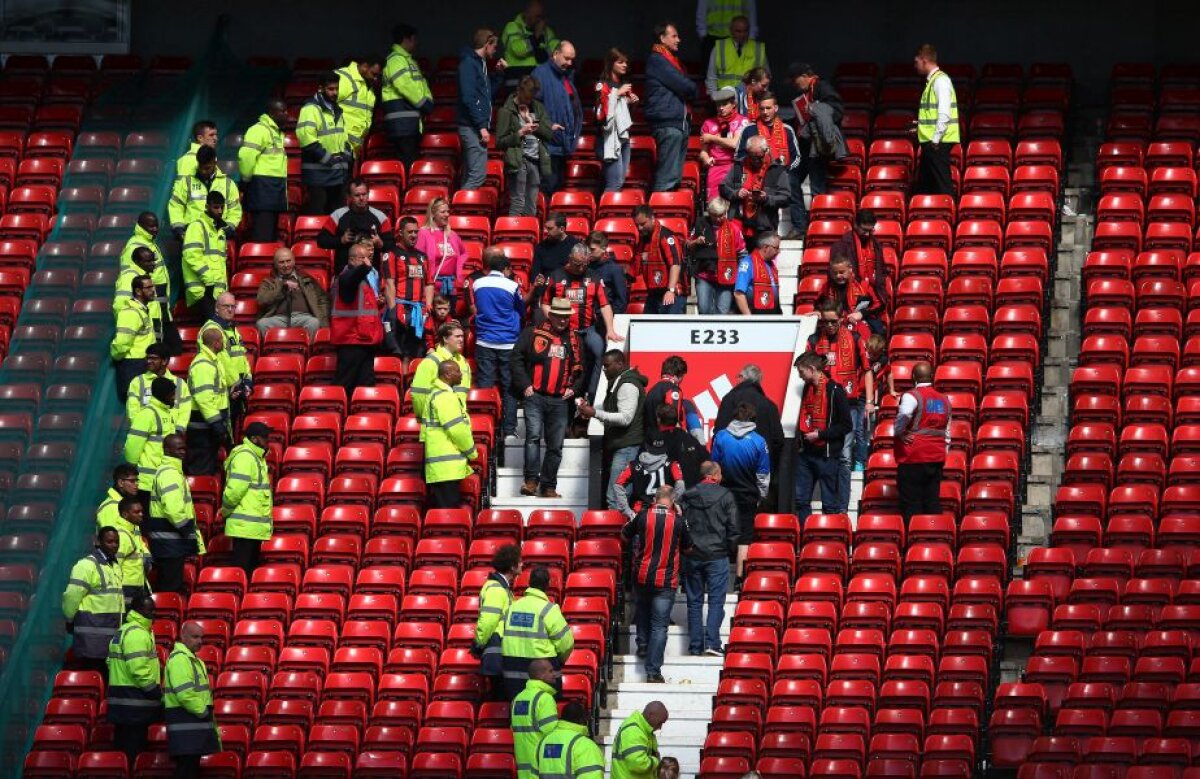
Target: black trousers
(264,226)
(170,334)
(322,200)
(186,766)
(130,739)
(127,371)
(202,446)
(444,494)
(933,175)
(408,148)
(170,574)
(245,553)
(355,367)
(920,487)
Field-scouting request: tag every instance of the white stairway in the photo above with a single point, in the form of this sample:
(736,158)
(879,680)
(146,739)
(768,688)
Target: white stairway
(573,476)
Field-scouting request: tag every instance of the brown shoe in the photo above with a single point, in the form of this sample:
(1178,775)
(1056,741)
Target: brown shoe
(529,488)
(548,492)
(794,235)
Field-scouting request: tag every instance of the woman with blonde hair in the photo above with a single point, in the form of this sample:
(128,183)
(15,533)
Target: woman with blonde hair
(445,251)
(613,97)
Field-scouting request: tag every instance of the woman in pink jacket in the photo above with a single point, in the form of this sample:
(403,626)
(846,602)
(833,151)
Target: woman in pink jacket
(719,140)
(445,250)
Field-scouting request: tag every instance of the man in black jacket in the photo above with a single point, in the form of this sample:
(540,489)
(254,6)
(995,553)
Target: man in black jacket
(680,447)
(749,390)
(820,434)
(355,222)
(710,515)
(756,188)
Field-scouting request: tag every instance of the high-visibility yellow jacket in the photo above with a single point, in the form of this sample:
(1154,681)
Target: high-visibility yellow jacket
(534,715)
(720,14)
(247,502)
(235,366)
(535,628)
(210,394)
(405,93)
(204,259)
(138,326)
(495,598)
(635,750)
(134,675)
(106,512)
(927,112)
(517,40)
(186,164)
(567,752)
(446,428)
(143,444)
(357,100)
(426,375)
(262,164)
(133,553)
(171,528)
(94,603)
(324,146)
(732,65)
(162,278)
(189,705)
(139,397)
(123,291)
(189,198)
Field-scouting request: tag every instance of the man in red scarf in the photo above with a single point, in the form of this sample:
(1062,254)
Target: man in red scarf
(669,91)
(847,363)
(823,425)
(818,109)
(782,149)
(756,188)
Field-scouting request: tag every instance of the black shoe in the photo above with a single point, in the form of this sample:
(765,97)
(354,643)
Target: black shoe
(642,651)
(715,651)
(655,679)
(695,653)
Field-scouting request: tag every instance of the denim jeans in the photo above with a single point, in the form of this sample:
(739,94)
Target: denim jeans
(797,210)
(702,577)
(833,476)
(857,447)
(620,458)
(523,189)
(712,298)
(492,370)
(654,304)
(672,149)
(546,419)
(474,158)
(615,170)
(593,343)
(652,617)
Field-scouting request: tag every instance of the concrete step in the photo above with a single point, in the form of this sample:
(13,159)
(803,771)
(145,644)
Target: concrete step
(677,640)
(682,670)
(526,505)
(575,454)
(572,483)
(635,695)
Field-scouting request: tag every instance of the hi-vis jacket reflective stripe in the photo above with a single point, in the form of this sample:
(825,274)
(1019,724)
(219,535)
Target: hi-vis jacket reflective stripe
(321,134)
(247,502)
(134,675)
(132,552)
(262,152)
(446,429)
(720,15)
(732,66)
(210,393)
(567,753)
(94,602)
(138,326)
(123,291)
(405,94)
(162,278)
(189,704)
(171,529)
(106,512)
(635,750)
(232,359)
(357,101)
(358,325)
(189,198)
(495,598)
(427,373)
(143,445)
(204,256)
(927,112)
(139,398)
(535,628)
(534,715)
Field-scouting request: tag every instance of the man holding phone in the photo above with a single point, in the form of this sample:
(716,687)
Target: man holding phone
(757,186)
(354,223)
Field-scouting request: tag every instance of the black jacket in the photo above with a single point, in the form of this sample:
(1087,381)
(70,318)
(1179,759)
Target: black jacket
(710,514)
(682,447)
(776,185)
(767,421)
(838,427)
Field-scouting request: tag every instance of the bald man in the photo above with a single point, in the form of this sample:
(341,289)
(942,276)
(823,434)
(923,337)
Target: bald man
(635,749)
(235,365)
(921,441)
(534,714)
(291,298)
(556,77)
(191,731)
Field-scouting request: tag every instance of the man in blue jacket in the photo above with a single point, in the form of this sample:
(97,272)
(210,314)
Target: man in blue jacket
(475,88)
(669,89)
(556,76)
(745,462)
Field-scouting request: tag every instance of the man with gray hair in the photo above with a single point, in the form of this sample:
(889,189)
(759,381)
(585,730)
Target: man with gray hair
(756,291)
(757,186)
(291,298)
(749,389)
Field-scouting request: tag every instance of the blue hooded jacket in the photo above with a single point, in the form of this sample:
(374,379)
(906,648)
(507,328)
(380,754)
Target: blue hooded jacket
(563,108)
(475,89)
(745,462)
(667,92)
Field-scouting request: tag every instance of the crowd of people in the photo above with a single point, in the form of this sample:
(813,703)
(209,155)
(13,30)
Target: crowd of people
(543,337)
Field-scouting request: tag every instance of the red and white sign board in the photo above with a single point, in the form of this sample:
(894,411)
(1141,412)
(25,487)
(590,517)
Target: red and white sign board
(715,349)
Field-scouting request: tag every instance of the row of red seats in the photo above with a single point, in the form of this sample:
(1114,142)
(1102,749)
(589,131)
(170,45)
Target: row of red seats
(83,64)
(1151,156)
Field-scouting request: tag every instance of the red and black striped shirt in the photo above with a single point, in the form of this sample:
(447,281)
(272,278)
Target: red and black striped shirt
(586,293)
(547,361)
(658,534)
(406,267)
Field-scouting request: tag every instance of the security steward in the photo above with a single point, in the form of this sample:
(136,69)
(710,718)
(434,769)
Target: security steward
(756,291)
(325,153)
(247,502)
(171,529)
(157,359)
(449,444)
(189,196)
(495,597)
(134,679)
(143,445)
(191,730)
(451,341)
(93,603)
(235,366)
(937,125)
(124,485)
(141,261)
(133,553)
(209,426)
(405,95)
(535,628)
(735,56)
(262,165)
(355,329)
(922,438)
(534,714)
(139,324)
(356,97)
(568,752)
(635,749)
(205,275)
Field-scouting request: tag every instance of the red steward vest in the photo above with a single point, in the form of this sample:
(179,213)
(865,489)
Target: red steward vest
(358,322)
(847,366)
(925,441)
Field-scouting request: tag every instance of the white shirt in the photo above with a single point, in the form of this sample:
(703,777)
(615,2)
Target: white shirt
(627,403)
(908,407)
(749,10)
(943,92)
